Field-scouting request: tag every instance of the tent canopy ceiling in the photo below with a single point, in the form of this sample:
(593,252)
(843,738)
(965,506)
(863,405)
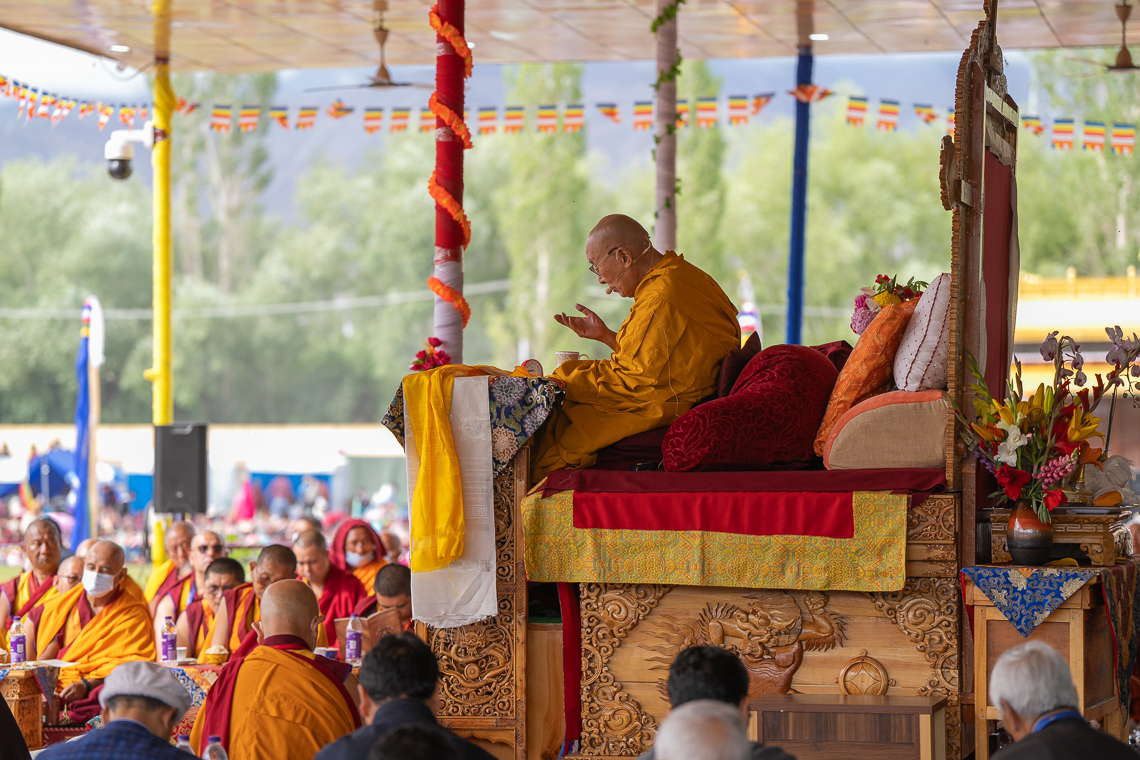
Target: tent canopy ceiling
(237,36)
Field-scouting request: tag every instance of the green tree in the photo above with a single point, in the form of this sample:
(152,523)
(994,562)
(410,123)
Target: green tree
(700,163)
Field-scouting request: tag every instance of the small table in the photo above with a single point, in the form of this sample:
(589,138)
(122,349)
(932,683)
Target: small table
(1094,533)
(855,727)
(1078,629)
(26,702)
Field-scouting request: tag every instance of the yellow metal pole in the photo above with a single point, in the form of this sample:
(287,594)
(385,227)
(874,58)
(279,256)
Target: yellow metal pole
(160,373)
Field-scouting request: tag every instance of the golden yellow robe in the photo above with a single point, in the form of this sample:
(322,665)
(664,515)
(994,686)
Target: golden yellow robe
(367,573)
(120,632)
(157,577)
(669,350)
(282,708)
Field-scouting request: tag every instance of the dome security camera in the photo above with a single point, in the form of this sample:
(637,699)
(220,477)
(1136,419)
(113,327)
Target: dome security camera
(119,149)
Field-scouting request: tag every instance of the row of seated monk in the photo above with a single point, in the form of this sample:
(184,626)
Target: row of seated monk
(89,611)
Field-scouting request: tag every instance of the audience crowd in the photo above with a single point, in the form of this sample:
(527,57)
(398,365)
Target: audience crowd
(284,693)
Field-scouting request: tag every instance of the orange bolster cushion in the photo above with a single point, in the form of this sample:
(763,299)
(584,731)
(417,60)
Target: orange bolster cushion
(870,368)
(897,429)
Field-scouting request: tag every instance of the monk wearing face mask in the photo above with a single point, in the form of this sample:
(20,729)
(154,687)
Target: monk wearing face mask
(96,625)
(357,548)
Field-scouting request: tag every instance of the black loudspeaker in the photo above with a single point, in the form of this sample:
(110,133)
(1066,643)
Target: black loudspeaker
(180,468)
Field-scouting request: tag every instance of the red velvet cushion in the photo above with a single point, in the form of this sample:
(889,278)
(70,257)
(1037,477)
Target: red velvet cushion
(769,420)
(734,363)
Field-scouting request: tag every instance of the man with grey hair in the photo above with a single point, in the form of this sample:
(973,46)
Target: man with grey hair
(703,730)
(1033,690)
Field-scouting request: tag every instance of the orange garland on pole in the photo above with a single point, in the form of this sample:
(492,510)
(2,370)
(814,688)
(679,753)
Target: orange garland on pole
(452,35)
(452,296)
(445,199)
(452,119)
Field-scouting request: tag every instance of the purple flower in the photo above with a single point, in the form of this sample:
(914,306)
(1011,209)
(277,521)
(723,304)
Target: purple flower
(1135,370)
(861,301)
(1049,347)
(1081,378)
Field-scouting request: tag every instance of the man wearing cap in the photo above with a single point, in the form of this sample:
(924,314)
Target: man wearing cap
(142,703)
(241,606)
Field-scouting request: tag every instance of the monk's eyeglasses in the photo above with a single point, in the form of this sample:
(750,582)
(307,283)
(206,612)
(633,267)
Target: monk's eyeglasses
(211,549)
(594,267)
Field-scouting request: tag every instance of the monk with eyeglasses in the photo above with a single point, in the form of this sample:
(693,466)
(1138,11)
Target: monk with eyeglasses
(205,547)
(665,356)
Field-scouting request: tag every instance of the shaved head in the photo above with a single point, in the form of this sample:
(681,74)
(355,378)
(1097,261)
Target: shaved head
(179,531)
(309,539)
(289,608)
(106,554)
(279,555)
(84,546)
(620,253)
(275,563)
(43,545)
(69,574)
(177,543)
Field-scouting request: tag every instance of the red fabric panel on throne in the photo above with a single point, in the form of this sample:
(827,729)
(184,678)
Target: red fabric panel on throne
(655,481)
(789,513)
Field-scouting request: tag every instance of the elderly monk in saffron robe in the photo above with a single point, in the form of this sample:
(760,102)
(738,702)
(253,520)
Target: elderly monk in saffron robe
(241,606)
(97,625)
(337,590)
(176,569)
(280,700)
(43,544)
(357,548)
(665,356)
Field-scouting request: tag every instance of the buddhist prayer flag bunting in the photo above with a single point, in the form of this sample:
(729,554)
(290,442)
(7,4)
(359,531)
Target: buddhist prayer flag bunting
(373,119)
(888,116)
(574,118)
(1123,138)
(306,117)
(1033,124)
(759,101)
(220,118)
(127,116)
(400,118)
(279,114)
(142,112)
(514,119)
(338,110)
(84,109)
(950,122)
(1063,134)
(856,110)
(642,115)
(32,97)
(610,111)
(427,120)
(248,117)
(707,116)
(924,112)
(488,120)
(62,109)
(105,114)
(1093,137)
(682,113)
(810,93)
(546,120)
(46,102)
(737,110)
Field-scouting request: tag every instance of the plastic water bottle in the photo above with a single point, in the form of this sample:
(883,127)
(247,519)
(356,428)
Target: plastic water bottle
(17,642)
(354,641)
(214,749)
(184,744)
(169,643)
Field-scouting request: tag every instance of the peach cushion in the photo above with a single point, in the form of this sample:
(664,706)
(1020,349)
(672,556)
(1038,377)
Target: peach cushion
(923,358)
(870,368)
(896,429)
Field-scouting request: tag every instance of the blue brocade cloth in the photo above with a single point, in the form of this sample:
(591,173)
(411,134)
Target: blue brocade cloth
(519,406)
(1028,595)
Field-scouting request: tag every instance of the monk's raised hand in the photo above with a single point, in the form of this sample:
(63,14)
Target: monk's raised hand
(589,325)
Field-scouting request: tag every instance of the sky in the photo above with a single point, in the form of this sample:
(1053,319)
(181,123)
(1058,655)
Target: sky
(910,78)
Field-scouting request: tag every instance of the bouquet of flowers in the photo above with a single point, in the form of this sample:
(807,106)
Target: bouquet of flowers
(1032,444)
(431,356)
(886,290)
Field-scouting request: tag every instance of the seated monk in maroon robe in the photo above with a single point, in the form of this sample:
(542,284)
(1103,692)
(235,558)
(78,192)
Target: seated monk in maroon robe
(337,591)
(393,587)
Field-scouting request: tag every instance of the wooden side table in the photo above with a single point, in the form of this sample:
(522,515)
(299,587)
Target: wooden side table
(24,699)
(852,727)
(1078,629)
(1095,534)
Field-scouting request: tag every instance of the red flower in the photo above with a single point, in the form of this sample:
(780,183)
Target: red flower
(1055,499)
(1012,481)
(434,342)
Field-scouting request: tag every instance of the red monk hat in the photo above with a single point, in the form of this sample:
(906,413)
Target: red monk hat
(336,549)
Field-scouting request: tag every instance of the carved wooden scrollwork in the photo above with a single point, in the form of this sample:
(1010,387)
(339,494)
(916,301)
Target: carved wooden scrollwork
(932,521)
(475,666)
(613,723)
(926,611)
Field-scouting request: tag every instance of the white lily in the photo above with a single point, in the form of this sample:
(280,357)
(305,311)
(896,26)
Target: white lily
(1007,449)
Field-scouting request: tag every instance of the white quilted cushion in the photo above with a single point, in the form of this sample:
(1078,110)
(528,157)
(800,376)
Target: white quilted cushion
(923,358)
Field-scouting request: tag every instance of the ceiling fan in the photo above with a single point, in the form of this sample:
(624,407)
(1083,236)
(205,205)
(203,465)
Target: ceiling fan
(382,78)
(1123,64)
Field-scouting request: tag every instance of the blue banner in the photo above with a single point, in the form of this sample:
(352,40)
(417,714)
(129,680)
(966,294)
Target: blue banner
(82,529)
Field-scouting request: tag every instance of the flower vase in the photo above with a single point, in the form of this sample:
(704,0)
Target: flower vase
(1030,541)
